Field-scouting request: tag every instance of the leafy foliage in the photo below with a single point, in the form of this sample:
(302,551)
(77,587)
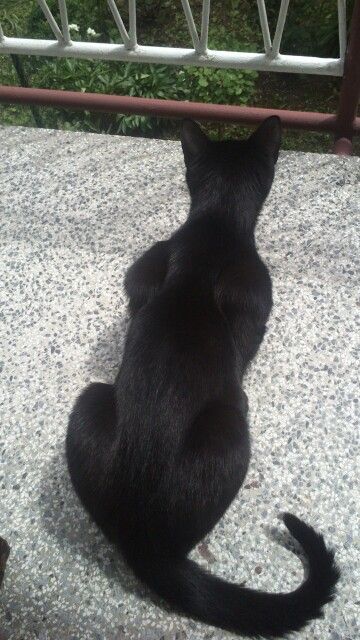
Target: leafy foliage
(311,27)
(133,79)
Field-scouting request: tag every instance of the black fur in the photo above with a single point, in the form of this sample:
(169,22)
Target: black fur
(158,457)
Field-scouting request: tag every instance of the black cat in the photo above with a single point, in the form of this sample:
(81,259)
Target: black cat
(158,457)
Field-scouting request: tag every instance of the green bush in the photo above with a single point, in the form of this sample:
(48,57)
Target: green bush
(311,27)
(142,80)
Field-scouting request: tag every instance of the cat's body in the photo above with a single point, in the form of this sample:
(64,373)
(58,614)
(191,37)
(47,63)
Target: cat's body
(158,457)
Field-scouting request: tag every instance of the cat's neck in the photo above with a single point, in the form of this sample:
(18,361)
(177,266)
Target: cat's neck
(241,216)
(237,201)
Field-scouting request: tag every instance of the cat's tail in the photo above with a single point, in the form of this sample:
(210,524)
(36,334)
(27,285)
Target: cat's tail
(189,588)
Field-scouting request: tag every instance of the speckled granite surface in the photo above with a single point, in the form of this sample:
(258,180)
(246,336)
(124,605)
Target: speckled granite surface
(75,210)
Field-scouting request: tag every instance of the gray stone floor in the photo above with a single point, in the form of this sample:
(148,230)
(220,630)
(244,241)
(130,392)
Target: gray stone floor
(76,209)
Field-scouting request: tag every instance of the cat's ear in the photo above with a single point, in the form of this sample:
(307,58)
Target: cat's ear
(268,136)
(193,140)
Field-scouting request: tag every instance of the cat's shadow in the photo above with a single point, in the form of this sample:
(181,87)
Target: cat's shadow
(105,357)
(63,516)
(66,521)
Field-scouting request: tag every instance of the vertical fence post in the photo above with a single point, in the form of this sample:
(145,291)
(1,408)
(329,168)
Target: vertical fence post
(350,88)
(24,83)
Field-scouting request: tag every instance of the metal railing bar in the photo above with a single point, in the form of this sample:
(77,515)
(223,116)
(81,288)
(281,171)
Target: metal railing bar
(191,24)
(119,23)
(176,56)
(205,17)
(264,26)
(169,108)
(342,28)
(64,22)
(132,23)
(279,27)
(51,21)
(2,37)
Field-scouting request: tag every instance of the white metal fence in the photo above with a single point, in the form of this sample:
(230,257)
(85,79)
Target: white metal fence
(131,51)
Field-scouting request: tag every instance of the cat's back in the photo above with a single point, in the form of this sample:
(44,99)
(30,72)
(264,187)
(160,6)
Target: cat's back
(182,324)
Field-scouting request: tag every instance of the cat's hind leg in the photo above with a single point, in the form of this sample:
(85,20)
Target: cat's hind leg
(212,466)
(91,445)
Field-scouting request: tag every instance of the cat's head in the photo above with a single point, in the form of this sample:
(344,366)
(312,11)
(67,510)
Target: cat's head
(231,174)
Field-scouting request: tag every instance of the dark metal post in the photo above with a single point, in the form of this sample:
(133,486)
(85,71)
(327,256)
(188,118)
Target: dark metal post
(350,88)
(24,83)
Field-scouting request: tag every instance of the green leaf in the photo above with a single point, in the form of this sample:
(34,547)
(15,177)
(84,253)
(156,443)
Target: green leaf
(203,82)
